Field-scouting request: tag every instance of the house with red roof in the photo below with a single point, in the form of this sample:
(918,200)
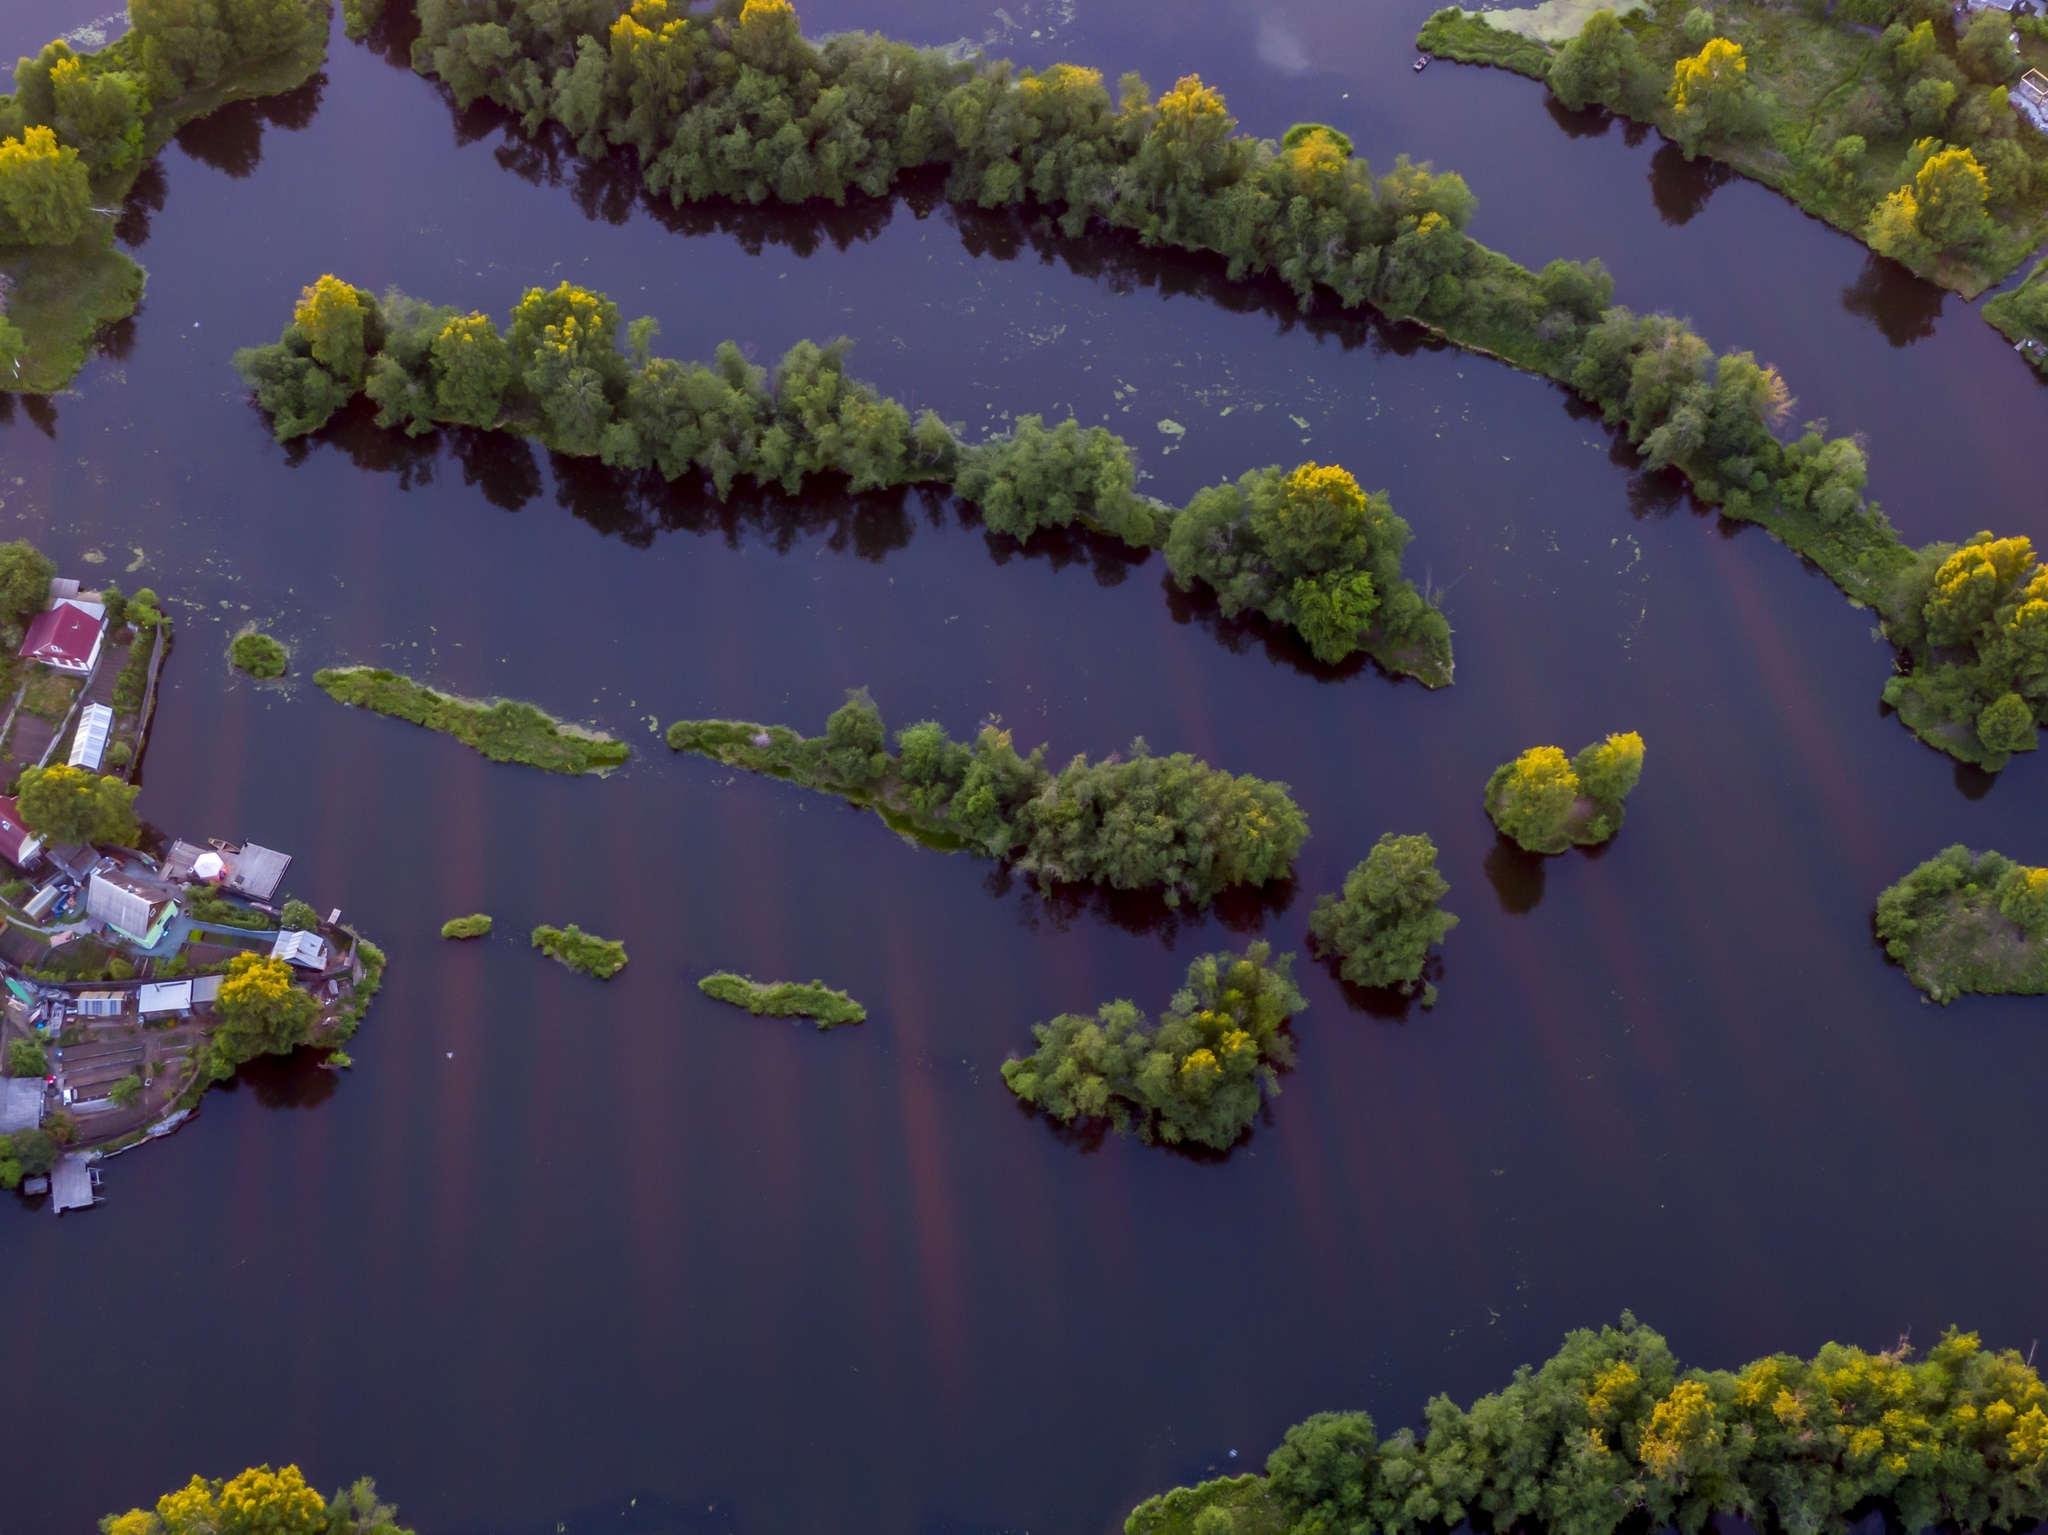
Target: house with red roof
(18,845)
(66,635)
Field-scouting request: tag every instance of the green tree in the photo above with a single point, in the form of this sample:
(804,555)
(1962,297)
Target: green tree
(856,744)
(299,917)
(1382,927)
(1927,102)
(26,1058)
(44,196)
(2007,724)
(1601,65)
(472,367)
(258,654)
(1986,51)
(2023,897)
(1609,769)
(101,111)
(1531,799)
(125,1091)
(261,1012)
(1951,191)
(68,804)
(25,575)
(340,324)
(1709,92)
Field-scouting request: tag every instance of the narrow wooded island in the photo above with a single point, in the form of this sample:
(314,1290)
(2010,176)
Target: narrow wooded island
(1612,1433)
(1307,549)
(1547,802)
(1965,922)
(1199,1074)
(784,999)
(1142,822)
(502,729)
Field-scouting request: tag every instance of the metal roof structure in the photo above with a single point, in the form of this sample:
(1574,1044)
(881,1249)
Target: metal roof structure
(71,1184)
(308,950)
(256,871)
(21,1104)
(165,997)
(89,745)
(125,901)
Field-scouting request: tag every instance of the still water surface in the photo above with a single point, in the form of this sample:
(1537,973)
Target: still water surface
(557,1255)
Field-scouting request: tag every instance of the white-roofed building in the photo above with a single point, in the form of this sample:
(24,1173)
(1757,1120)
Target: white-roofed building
(89,745)
(165,997)
(99,1004)
(306,950)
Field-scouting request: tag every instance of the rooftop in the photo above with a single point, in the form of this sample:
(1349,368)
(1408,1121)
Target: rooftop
(67,635)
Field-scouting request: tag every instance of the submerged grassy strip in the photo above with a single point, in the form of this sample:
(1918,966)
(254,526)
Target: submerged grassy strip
(784,999)
(106,115)
(1613,1433)
(501,729)
(1170,823)
(1886,118)
(581,951)
(1965,922)
(478,926)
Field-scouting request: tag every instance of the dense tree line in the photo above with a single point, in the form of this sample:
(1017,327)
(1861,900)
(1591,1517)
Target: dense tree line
(1548,802)
(1612,1432)
(1381,929)
(1973,622)
(1127,823)
(1967,921)
(734,102)
(1890,118)
(1307,549)
(1199,1074)
(260,1499)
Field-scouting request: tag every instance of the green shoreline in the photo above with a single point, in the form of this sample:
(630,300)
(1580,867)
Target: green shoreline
(501,729)
(1176,173)
(1613,1433)
(62,297)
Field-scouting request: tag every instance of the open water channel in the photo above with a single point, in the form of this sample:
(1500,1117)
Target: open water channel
(558,1256)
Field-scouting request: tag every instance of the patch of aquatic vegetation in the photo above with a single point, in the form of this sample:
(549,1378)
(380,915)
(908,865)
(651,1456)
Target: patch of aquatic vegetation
(784,999)
(582,952)
(503,730)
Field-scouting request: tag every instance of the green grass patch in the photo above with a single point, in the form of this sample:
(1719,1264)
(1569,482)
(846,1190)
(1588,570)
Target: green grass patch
(258,654)
(1247,1503)
(60,297)
(478,926)
(785,999)
(601,957)
(503,730)
(1467,37)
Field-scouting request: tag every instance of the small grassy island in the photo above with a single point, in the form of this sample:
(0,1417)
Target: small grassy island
(1965,922)
(79,129)
(1892,119)
(1381,929)
(581,951)
(1199,1074)
(2021,315)
(1612,1433)
(1547,802)
(501,729)
(258,654)
(260,1499)
(784,999)
(478,926)
(1171,823)
(1307,549)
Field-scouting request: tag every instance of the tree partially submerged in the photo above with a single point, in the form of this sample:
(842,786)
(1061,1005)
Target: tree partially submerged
(1547,802)
(260,1499)
(1199,1074)
(1128,823)
(1381,929)
(1969,922)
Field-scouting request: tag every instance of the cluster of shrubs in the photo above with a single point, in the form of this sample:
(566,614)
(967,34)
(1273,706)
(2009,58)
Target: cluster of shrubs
(1381,928)
(1973,622)
(1141,822)
(1965,922)
(1547,802)
(80,120)
(1199,1074)
(1918,150)
(1308,549)
(1612,1433)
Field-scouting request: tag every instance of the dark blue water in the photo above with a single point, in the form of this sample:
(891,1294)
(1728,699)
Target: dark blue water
(553,1247)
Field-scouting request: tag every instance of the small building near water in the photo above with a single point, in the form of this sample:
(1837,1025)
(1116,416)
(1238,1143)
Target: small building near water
(159,997)
(18,845)
(250,869)
(138,908)
(67,636)
(306,950)
(2030,98)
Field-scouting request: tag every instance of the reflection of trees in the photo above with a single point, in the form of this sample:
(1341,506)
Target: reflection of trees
(1587,123)
(1239,635)
(230,138)
(1516,876)
(1388,1003)
(145,197)
(1240,909)
(294,1081)
(1903,307)
(1680,187)
(40,409)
